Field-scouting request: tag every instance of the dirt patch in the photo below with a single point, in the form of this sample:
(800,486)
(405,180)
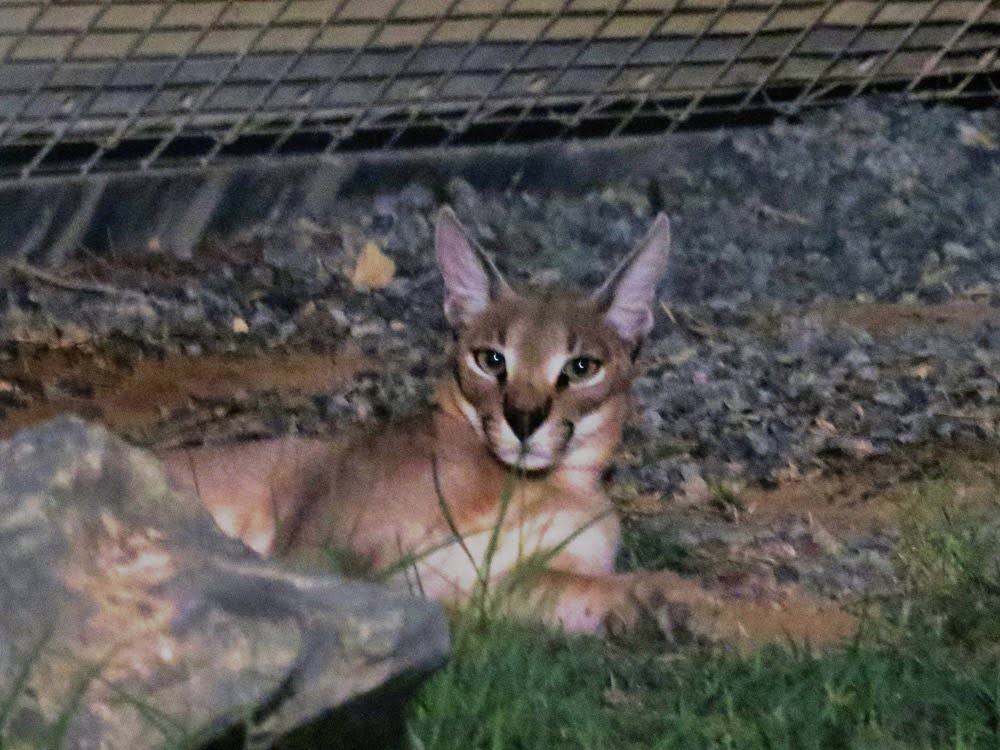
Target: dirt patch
(128,395)
(888,319)
(797,617)
(788,562)
(763,369)
(799,560)
(854,497)
(845,502)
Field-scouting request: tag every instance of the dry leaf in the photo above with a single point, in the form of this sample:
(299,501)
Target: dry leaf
(921,371)
(932,277)
(856,447)
(980,290)
(970,135)
(825,426)
(374,269)
(786,474)
(240,326)
(693,491)
(684,355)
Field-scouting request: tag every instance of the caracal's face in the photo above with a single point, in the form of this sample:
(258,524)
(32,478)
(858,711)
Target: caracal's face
(544,380)
(543,376)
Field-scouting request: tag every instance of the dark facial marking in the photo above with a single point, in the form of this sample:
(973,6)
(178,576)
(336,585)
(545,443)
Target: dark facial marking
(524,422)
(485,420)
(568,429)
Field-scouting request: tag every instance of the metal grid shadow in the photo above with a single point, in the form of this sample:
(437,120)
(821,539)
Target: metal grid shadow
(125,85)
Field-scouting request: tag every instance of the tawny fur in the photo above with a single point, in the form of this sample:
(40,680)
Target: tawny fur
(378,496)
(403,490)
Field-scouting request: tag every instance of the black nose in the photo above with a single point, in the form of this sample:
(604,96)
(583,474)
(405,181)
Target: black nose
(524,421)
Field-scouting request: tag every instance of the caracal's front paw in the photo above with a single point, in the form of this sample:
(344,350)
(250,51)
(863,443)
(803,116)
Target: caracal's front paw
(663,606)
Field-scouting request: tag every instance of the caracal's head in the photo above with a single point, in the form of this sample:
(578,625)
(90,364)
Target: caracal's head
(543,374)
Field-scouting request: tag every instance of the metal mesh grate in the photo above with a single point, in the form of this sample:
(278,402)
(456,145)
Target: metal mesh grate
(132,84)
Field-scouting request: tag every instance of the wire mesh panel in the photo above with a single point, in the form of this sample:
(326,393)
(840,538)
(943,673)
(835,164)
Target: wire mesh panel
(133,84)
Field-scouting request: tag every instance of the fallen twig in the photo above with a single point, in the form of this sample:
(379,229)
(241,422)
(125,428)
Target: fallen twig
(88,287)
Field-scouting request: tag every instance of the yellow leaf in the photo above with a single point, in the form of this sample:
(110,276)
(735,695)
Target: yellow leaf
(374,269)
(972,136)
(825,426)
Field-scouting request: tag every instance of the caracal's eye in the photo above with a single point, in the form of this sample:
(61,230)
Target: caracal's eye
(580,369)
(490,361)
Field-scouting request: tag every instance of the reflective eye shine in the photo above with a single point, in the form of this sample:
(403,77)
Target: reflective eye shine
(580,369)
(490,361)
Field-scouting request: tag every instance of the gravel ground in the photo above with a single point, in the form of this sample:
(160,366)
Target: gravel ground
(798,248)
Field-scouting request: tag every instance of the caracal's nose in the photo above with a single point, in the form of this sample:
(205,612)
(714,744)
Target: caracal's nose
(524,422)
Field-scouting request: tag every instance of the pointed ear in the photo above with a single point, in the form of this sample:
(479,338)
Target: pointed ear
(627,296)
(471,281)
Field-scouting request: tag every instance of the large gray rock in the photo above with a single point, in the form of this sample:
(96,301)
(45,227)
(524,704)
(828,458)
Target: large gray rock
(129,620)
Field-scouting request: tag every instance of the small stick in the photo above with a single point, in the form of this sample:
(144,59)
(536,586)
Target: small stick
(37,274)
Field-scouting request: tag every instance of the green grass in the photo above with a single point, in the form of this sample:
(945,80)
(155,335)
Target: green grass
(923,673)
(644,549)
(949,561)
(518,687)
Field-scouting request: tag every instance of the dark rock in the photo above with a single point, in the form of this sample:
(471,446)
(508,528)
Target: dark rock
(138,623)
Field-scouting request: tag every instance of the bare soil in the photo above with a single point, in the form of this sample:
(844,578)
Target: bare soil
(776,550)
(888,318)
(828,342)
(131,395)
